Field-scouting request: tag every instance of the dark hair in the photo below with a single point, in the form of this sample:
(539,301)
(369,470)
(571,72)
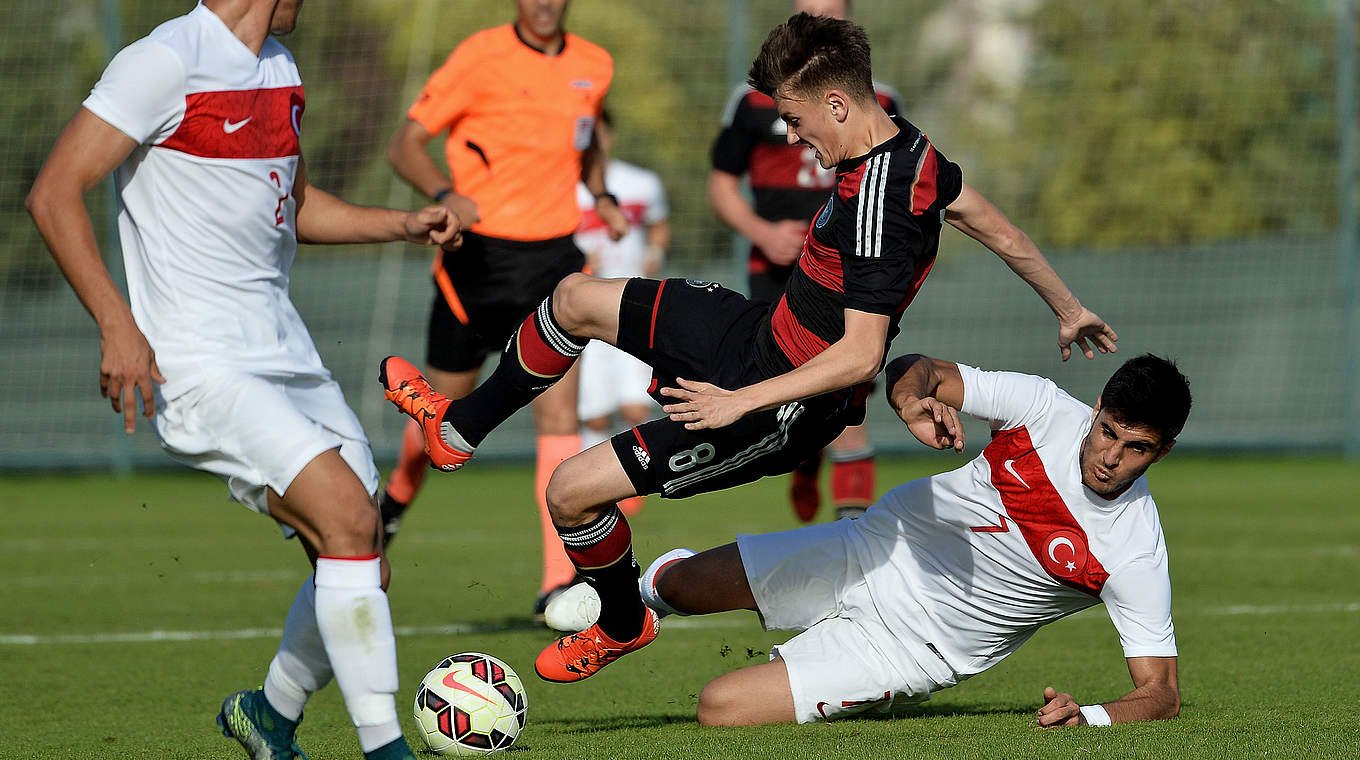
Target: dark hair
(807,54)
(1149,391)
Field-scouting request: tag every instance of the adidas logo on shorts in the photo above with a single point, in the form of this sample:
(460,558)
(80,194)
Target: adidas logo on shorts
(642,457)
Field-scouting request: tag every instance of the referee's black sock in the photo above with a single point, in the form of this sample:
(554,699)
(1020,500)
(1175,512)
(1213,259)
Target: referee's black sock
(537,356)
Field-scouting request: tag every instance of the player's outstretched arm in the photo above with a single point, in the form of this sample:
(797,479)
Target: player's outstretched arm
(976,217)
(87,150)
(1156,696)
(324,218)
(927,393)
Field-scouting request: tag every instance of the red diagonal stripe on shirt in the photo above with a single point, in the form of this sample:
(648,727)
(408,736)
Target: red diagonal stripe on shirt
(1054,536)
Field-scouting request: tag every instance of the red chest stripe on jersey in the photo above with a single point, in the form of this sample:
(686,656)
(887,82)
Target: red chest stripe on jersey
(822,264)
(633,211)
(1054,536)
(847,184)
(923,187)
(241,124)
(797,342)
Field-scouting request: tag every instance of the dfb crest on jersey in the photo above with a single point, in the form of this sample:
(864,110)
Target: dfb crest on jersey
(703,285)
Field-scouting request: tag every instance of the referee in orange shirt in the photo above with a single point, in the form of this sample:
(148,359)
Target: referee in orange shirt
(520,104)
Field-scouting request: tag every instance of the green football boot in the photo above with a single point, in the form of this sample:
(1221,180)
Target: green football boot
(248,718)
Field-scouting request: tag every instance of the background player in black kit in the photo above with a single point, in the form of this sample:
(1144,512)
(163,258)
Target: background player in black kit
(797,369)
(788,186)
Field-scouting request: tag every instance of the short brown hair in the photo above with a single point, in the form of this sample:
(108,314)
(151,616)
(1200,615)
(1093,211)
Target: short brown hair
(809,54)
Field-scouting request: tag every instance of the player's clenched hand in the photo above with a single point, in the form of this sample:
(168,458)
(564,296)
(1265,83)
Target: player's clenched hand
(702,405)
(1059,709)
(434,225)
(934,423)
(1085,326)
(128,364)
(783,242)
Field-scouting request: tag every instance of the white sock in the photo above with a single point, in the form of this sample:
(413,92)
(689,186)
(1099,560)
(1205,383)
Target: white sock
(647,583)
(301,667)
(356,625)
(591,437)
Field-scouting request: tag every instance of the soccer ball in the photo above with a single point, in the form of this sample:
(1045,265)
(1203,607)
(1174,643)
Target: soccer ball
(470,704)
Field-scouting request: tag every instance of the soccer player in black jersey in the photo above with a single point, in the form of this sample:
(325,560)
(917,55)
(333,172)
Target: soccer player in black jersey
(749,389)
(788,187)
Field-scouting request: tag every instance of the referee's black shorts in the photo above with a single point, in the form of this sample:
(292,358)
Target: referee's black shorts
(702,331)
(499,283)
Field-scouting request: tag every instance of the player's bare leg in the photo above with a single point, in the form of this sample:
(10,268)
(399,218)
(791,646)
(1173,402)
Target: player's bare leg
(557,439)
(412,463)
(582,497)
(852,471)
(748,697)
(334,515)
(337,524)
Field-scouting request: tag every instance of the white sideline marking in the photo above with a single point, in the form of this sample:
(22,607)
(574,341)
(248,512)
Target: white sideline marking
(455,629)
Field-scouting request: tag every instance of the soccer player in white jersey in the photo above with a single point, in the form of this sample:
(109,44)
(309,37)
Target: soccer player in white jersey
(200,122)
(947,575)
(611,380)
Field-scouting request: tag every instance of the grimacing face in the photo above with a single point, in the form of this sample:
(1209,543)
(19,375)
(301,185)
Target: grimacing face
(809,123)
(1115,454)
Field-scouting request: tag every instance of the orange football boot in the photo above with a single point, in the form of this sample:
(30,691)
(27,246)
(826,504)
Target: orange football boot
(405,387)
(582,655)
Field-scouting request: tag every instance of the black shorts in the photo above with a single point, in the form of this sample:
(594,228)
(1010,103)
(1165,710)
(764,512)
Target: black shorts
(703,331)
(499,283)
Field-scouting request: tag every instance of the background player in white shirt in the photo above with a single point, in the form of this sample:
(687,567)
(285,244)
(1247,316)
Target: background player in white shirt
(947,575)
(201,120)
(611,380)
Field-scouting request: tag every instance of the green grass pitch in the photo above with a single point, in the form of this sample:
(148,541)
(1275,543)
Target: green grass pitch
(132,606)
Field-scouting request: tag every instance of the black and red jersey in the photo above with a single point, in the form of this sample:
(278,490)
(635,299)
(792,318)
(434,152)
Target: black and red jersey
(786,180)
(869,248)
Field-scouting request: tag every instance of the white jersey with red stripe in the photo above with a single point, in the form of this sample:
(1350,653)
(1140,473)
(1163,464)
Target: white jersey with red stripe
(973,561)
(206,210)
(642,198)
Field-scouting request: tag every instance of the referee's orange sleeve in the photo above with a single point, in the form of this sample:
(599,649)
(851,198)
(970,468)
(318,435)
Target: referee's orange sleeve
(447,93)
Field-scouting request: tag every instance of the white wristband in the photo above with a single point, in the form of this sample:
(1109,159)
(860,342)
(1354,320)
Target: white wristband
(1095,715)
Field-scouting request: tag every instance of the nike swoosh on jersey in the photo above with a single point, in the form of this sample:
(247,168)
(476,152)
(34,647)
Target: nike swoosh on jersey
(228,126)
(1009,464)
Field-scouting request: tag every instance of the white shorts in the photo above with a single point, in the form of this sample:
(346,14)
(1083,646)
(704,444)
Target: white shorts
(847,660)
(257,433)
(611,378)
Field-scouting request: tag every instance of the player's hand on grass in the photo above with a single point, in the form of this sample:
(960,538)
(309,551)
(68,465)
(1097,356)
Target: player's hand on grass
(1082,327)
(128,364)
(934,423)
(703,405)
(1059,709)
(434,225)
(783,241)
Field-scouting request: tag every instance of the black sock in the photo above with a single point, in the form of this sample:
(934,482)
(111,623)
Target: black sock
(602,551)
(534,359)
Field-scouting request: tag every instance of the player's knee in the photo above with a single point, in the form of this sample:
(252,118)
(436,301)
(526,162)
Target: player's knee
(717,704)
(564,495)
(350,530)
(572,307)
